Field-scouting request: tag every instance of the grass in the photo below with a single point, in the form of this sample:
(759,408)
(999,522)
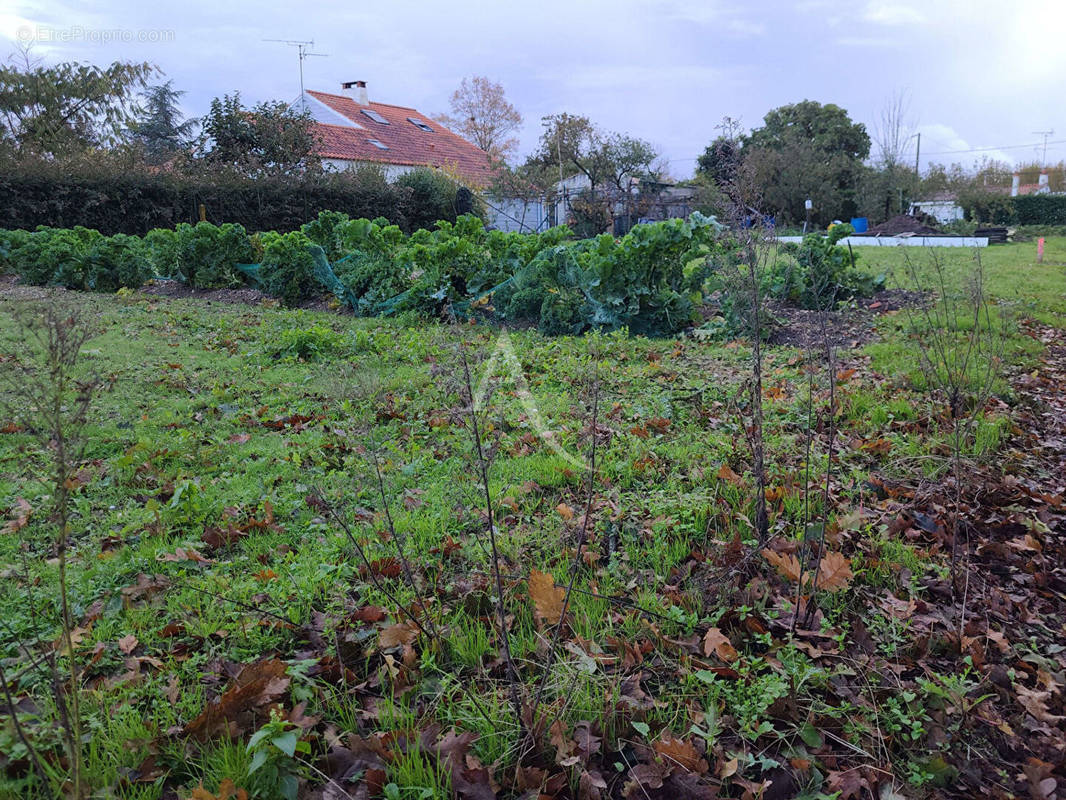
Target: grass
(218,415)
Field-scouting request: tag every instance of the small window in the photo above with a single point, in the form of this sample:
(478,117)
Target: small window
(420,124)
(374,115)
(378,144)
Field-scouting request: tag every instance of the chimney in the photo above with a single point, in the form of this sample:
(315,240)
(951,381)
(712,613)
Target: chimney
(356,90)
(1015,184)
(1043,184)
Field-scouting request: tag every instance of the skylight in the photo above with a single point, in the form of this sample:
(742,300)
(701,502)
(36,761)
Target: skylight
(374,115)
(420,124)
(378,144)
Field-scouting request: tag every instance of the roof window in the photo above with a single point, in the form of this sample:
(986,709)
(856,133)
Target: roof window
(374,115)
(378,145)
(420,124)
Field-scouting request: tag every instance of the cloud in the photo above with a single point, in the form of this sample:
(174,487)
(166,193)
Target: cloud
(885,12)
(943,144)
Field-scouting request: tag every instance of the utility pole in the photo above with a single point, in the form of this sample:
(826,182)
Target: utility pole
(917,153)
(1045,134)
(303,49)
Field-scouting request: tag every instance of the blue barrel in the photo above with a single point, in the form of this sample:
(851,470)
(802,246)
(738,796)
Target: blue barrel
(860,224)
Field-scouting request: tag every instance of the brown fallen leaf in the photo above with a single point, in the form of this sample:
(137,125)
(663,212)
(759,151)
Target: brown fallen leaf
(834,572)
(23,511)
(256,686)
(127,644)
(786,564)
(547,597)
(679,752)
(226,791)
(565,511)
(725,473)
(717,643)
(1036,703)
(401,633)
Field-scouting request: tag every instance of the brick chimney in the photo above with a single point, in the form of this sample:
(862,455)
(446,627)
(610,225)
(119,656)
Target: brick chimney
(356,90)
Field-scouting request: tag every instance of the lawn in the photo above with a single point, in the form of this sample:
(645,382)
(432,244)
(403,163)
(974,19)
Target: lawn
(279,526)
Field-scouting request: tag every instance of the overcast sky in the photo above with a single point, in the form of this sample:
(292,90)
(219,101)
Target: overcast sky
(978,73)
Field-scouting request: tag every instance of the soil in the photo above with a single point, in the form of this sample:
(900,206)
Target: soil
(904,223)
(851,327)
(175,290)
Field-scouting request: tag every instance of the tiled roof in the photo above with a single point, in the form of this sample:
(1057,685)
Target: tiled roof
(407,143)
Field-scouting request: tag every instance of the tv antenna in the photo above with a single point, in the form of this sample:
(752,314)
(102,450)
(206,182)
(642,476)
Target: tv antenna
(1045,134)
(304,50)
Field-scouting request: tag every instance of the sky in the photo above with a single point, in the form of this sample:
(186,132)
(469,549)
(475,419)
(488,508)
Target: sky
(980,77)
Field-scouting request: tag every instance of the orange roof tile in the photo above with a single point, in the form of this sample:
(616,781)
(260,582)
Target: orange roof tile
(407,144)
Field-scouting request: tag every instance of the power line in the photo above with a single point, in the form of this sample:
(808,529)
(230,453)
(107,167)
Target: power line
(1000,147)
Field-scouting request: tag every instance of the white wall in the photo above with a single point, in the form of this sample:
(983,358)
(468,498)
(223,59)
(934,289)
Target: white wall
(392,171)
(511,214)
(943,211)
(903,241)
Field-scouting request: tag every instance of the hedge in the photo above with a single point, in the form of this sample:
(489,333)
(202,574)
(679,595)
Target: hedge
(138,199)
(1040,209)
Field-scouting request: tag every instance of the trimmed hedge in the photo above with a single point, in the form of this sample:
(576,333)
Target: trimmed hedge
(1040,209)
(137,199)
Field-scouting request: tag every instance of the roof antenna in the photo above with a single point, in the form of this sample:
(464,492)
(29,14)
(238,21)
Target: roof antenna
(304,50)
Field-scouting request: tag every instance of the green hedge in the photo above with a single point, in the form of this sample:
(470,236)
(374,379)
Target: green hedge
(1040,209)
(137,199)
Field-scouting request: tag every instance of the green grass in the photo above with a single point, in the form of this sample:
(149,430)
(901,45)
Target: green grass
(217,413)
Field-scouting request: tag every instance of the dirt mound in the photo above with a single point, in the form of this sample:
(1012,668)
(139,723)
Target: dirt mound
(904,223)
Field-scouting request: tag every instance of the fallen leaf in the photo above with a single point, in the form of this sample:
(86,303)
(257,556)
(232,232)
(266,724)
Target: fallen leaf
(547,597)
(725,473)
(399,634)
(786,564)
(23,511)
(834,572)
(678,752)
(236,711)
(718,643)
(565,511)
(127,644)
(226,791)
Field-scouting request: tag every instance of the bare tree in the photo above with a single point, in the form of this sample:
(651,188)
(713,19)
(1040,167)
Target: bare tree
(481,112)
(894,130)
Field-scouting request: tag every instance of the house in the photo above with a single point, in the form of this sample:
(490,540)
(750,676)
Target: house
(647,200)
(353,131)
(1017,188)
(940,206)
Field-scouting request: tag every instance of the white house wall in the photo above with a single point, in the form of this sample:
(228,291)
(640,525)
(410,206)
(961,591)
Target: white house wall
(391,171)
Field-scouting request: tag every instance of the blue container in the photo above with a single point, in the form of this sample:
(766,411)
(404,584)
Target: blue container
(860,224)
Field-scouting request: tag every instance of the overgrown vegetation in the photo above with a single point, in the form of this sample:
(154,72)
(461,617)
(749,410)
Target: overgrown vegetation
(280,573)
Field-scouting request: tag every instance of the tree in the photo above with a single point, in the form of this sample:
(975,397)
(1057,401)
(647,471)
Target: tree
(721,160)
(611,162)
(270,139)
(161,131)
(68,107)
(807,150)
(893,132)
(481,113)
(573,144)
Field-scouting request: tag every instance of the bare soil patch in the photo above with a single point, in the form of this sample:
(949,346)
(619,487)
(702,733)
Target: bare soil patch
(850,327)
